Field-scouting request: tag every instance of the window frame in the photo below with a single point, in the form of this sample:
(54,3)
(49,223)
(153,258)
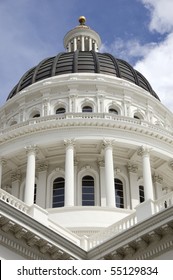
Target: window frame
(88,178)
(119,204)
(61,202)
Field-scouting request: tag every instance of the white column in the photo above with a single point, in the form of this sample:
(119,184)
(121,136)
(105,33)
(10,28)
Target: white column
(109,174)
(90,44)
(82,43)
(69,47)
(75,44)
(69,172)
(144,151)
(30,175)
(95,47)
(2,163)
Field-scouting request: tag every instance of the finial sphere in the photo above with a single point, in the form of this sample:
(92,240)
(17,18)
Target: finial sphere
(82,20)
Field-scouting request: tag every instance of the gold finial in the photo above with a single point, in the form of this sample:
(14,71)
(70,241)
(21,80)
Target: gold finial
(82,20)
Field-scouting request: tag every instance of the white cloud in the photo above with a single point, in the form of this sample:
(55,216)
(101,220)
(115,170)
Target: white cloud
(128,49)
(161,15)
(157,62)
(156,66)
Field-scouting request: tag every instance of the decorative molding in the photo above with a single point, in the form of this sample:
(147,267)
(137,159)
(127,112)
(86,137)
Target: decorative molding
(132,167)
(128,250)
(7,226)
(3,162)
(117,171)
(31,149)
(170,164)
(166,229)
(157,179)
(20,233)
(47,123)
(101,163)
(33,240)
(153,236)
(69,142)
(42,166)
(144,150)
(141,243)
(16,175)
(108,143)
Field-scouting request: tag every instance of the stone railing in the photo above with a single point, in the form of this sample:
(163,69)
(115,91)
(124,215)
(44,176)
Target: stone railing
(163,202)
(13,201)
(158,205)
(80,116)
(112,230)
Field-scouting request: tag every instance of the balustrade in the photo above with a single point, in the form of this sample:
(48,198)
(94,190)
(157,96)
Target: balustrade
(13,201)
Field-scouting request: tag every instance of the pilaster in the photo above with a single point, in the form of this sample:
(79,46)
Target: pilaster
(16,179)
(158,184)
(2,164)
(133,177)
(41,184)
(101,166)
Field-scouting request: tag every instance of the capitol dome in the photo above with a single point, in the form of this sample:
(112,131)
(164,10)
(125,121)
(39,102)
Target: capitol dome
(82,59)
(86,160)
(82,62)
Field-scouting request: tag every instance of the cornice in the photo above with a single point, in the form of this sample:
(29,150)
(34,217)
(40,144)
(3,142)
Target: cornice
(95,120)
(155,225)
(36,234)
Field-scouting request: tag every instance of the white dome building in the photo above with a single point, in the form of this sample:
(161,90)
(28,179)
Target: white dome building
(86,169)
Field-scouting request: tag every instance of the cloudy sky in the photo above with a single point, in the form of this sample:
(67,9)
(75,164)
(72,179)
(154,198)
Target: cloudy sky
(139,31)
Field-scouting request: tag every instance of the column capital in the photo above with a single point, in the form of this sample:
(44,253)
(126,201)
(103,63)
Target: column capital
(132,167)
(144,150)
(42,166)
(3,161)
(108,143)
(170,164)
(16,175)
(100,162)
(69,142)
(157,179)
(76,161)
(117,171)
(31,149)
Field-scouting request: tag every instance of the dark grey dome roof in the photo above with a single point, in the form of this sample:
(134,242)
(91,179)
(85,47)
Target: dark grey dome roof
(82,62)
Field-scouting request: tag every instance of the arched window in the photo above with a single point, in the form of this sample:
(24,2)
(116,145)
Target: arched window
(60,110)
(119,193)
(58,192)
(141,194)
(13,123)
(88,195)
(87,109)
(36,116)
(136,117)
(113,111)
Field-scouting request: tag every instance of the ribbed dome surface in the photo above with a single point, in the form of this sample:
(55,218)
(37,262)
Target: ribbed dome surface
(82,62)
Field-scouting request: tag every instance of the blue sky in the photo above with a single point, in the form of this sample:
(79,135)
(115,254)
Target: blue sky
(139,31)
